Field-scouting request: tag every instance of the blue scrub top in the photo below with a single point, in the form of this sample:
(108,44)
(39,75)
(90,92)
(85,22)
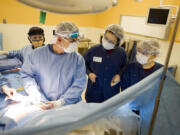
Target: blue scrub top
(134,73)
(105,64)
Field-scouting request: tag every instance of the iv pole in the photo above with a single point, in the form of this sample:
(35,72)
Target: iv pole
(164,74)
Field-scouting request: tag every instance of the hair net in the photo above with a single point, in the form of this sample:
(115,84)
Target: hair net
(117,30)
(66,28)
(150,46)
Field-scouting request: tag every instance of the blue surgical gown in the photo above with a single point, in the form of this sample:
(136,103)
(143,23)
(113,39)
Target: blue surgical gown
(105,65)
(21,54)
(134,73)
(58,76)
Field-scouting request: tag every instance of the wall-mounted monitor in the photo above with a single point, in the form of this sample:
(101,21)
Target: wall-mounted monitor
(159,16)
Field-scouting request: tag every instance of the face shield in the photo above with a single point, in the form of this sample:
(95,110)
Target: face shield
(72,39)
(68,35)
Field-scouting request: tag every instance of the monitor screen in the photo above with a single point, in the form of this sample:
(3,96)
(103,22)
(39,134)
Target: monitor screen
(158,16)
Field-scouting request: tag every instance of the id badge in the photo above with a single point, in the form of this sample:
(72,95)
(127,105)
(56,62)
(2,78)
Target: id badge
(97,59)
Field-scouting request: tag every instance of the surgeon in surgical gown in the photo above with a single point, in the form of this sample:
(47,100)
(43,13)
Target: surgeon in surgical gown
(56,73)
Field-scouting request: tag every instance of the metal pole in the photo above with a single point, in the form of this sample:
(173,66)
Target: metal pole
(164,75)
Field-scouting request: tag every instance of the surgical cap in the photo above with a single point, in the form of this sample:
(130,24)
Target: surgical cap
(117,30)
(35,31)
(149,46)
(66,27)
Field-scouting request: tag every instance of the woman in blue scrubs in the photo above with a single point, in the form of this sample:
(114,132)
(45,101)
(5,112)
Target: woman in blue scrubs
(147,52)
(104,64)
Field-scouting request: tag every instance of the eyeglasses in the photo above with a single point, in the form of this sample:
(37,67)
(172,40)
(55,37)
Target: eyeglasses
(110,41)
(145,52)
(74,35)
(69,35)
(140,51)
(71,40)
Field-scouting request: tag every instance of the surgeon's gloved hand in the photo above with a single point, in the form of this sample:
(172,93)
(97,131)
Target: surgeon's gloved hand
(4,53)
(115,80)
(59,102)
(46,106)
(92,77)
(56,103)
(8,91)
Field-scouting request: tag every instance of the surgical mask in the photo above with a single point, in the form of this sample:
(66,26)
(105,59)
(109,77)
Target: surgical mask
(107,45)
(37,43)
(72,47)
(142,59)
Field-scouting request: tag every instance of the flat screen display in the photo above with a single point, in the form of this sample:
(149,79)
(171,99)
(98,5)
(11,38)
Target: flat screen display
(158,16)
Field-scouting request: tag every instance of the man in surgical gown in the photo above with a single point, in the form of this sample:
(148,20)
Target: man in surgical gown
(104,64)
(36,38)
(56,73)
(147,51)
